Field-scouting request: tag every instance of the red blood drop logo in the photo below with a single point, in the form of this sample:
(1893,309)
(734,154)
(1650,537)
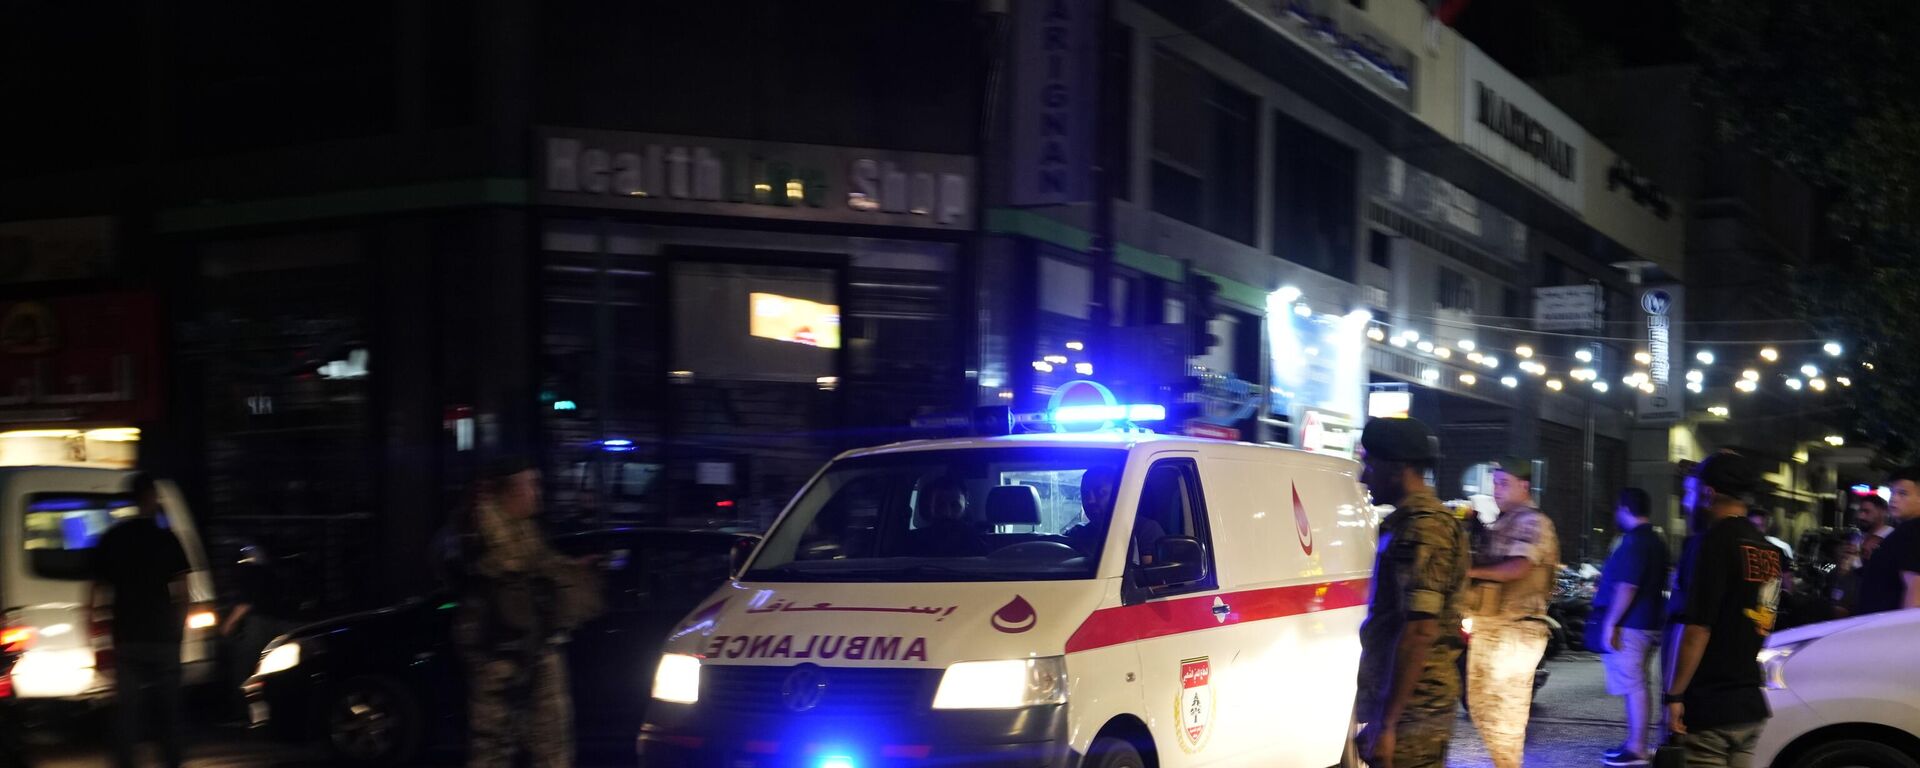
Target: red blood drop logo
(1301,523)
(1015,617)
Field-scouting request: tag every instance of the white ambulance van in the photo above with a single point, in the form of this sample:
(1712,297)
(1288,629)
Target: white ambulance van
(50,519)
(989,602)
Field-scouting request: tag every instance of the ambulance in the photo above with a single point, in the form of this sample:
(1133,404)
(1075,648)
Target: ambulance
(1109,598)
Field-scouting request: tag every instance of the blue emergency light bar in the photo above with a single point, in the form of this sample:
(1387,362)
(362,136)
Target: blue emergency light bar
(1100,414)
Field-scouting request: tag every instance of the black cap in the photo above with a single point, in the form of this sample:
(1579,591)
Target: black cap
(1728,473)
(1517,467)
(1400,440)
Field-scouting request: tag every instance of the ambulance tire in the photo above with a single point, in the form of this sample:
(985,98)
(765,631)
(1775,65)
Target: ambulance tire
(1110,752)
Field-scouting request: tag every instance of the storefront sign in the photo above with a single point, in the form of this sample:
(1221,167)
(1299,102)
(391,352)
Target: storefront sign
(1645,192)
(79,359)
(1317,361)
(1056,97)
(1327,432)
(55,249)
(1662,306)
(1345,35)
(1445,217)
(726,177)
(1567,308)
(1514,127)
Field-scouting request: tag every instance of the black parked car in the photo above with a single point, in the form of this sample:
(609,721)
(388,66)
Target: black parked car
(379,686)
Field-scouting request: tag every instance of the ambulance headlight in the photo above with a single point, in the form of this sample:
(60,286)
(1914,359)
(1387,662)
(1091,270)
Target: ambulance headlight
(677,679)
(279,659)
(1007,684)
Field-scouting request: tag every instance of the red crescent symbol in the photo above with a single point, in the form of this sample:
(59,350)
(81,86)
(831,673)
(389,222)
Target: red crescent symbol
(1301,524)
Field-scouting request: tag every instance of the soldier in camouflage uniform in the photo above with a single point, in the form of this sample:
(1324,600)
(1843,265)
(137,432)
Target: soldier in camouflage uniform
(518,601)
(1410,643)
(1512,576)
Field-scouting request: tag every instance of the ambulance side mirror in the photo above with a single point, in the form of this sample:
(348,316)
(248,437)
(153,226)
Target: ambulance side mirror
(742,549)
(1176,561)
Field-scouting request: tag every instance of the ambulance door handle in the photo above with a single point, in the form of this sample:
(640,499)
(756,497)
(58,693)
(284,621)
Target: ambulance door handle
(1222,609)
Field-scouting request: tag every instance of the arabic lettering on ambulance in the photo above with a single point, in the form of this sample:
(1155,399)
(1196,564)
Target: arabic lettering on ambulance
(785,606)
(851,648)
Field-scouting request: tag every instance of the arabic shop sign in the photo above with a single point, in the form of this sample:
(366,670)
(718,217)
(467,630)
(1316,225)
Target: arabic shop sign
(79,359)
(754,179)
(1645,192)
(1345,35)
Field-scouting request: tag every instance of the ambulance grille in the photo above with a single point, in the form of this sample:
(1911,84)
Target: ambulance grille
(849,691)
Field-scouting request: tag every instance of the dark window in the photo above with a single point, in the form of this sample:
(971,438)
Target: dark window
(1172,506)
(1510,305)
(1120,57)
(1203,148)
(1453,291)
(1313,198)
(1380,248)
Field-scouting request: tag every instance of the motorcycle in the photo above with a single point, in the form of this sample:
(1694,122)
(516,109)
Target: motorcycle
(1572,604)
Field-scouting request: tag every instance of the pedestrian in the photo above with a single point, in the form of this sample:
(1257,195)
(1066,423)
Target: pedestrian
(1713,696)
(1631,608)
(1871,519)
(1891,579)
(1410,642)
(140,580)
(261,612)
(1512,580)
(519,599)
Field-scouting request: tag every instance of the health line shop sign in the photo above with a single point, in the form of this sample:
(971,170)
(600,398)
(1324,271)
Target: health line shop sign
(754,179)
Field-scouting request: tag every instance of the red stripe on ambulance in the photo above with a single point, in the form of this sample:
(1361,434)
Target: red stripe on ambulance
(1126,624)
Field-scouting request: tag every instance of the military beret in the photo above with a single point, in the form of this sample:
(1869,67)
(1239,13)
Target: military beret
(1727,472)
(1399,440)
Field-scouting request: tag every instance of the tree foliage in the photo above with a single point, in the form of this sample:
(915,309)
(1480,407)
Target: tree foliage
(1831,92)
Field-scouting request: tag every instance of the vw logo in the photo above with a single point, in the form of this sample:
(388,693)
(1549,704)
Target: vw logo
(804,688)
(1655,302)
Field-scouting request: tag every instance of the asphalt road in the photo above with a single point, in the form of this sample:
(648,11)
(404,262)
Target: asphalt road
(1573,721)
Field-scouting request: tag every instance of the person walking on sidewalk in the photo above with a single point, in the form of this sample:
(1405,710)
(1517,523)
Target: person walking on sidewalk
(1631,610)
(1512,580)
(1713,696)
(1409,678)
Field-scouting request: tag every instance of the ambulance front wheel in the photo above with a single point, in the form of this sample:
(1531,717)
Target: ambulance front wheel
(1109,752)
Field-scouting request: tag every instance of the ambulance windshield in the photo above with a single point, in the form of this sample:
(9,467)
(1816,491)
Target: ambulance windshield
(977,514)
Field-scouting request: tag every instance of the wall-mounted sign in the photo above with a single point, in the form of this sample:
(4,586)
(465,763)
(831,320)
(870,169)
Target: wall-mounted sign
(1055,99)
(1327,432)
(1567,308)
(1645,192)
(1389,404)
(1517,129)
(1663,308)
(80,359)
(727,177)
(1345,35)
(1455,222)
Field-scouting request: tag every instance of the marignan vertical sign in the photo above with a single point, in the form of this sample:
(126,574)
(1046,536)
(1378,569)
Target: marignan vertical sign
(1663,307)
(1055,99)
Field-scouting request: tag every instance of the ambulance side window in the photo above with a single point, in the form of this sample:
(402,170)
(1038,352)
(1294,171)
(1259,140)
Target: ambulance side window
(1171,505)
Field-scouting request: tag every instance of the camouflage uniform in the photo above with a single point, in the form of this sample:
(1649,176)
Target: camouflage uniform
(1510,633)
(519,603)
(1421,567)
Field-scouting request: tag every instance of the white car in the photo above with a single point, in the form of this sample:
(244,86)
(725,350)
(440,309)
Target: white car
(1843,693)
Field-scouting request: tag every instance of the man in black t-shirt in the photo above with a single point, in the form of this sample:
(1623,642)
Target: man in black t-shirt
(143,569)
(1890,580)
(1713,693)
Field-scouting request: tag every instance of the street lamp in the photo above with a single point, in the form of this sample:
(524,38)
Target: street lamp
(1832,348)
(1793,384)
(1523,351)
(1809,370)
(1769,354)
(1746,385)
(1705,357)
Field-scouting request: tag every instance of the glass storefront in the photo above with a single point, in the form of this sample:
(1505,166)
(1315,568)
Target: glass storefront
(696,377)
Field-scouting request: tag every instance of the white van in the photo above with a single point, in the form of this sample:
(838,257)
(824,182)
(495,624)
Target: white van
(49,518)
(1215,622)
